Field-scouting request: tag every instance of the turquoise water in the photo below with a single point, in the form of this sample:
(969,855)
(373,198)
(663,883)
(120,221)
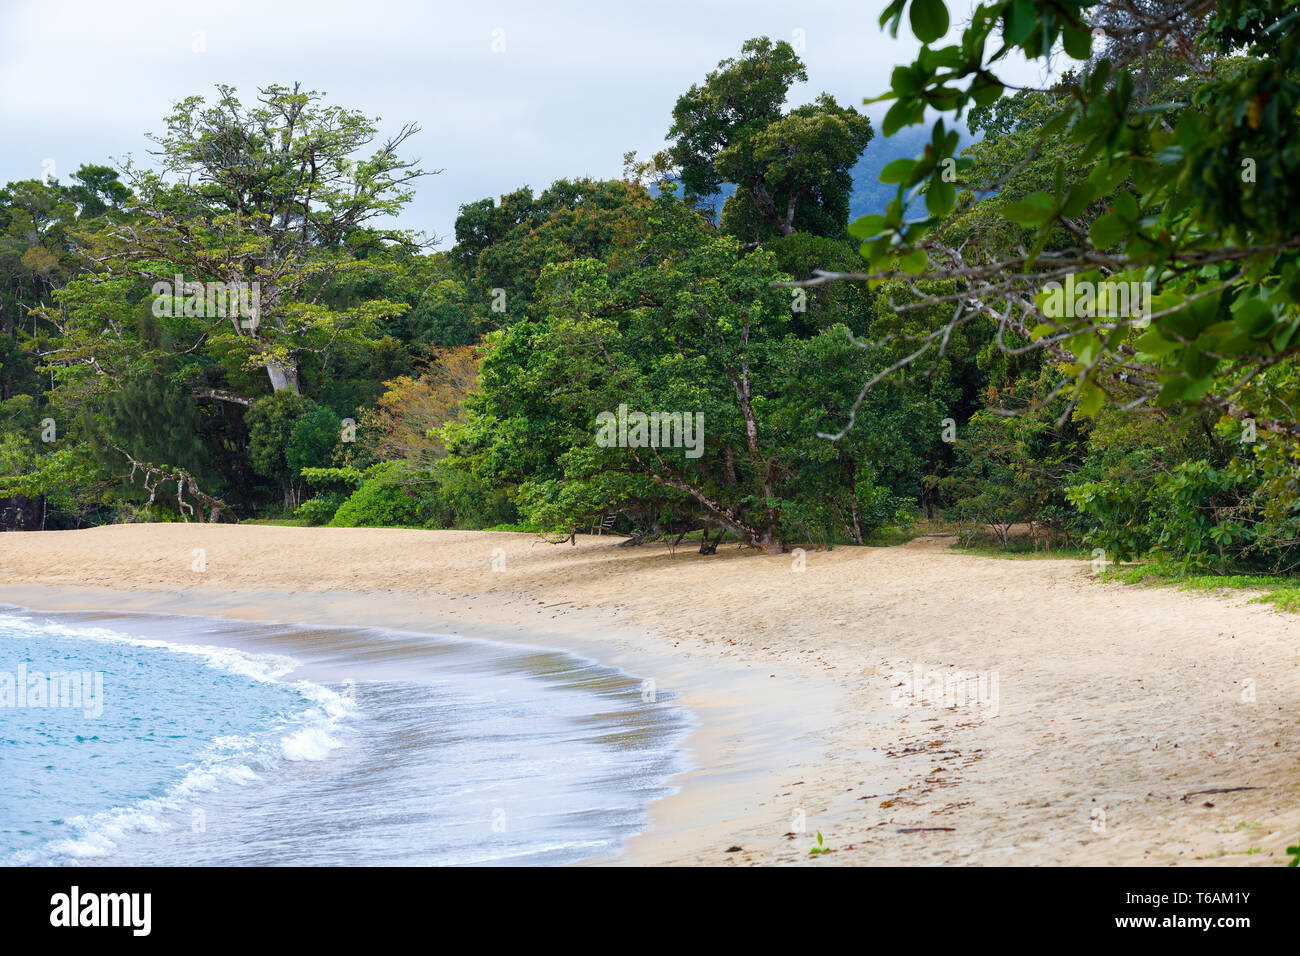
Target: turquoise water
(180,749)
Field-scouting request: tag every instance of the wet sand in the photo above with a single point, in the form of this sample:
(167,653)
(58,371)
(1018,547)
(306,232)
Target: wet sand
(1115,706)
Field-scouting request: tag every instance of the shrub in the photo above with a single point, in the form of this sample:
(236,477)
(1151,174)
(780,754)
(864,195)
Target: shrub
(319,510)
(393,494)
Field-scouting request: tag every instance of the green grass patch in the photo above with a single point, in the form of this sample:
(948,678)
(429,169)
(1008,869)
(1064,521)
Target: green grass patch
(1018,547)
(890,537)
(1283,591)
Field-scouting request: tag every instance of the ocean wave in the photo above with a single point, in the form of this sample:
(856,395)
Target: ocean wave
(311,734)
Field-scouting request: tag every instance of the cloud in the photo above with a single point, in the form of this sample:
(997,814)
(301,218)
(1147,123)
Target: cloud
(575,86)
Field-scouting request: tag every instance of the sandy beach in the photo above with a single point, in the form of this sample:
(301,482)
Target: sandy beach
(1129,726)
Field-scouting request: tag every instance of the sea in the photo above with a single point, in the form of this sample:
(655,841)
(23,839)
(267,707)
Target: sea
(173,740)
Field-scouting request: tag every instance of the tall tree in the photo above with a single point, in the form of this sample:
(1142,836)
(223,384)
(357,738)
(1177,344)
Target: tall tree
(272,198)
(791,170)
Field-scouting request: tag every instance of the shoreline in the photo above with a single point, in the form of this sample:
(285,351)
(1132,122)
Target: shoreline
(1114,700)
(582,721)
(736,732)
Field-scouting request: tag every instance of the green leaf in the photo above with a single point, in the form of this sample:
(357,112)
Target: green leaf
(929,19)
(1078,43)
(1091,399)
(914,262)
(1018,21)
(939,196)
(897,171)
(867,226)
(901,114)
(1253,316)
(1126,205)
(985,90)
(1034,210)
(892,12)
(1108,230)
(1078,199)
(1198,388)
(1282,338)
(1153,343)
(905,81)
(1172,390)
(1171,156)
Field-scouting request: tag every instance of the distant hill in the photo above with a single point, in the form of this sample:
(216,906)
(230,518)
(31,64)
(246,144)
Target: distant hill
(869,194)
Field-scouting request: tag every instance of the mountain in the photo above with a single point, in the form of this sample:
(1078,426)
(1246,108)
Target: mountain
(869,194)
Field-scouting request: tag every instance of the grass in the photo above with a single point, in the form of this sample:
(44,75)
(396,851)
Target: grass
(1280,590)
(1020,548)
(889,537)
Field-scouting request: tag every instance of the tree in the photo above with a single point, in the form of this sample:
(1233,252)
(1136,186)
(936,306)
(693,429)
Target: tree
(268,199)
(792,171)
(694,334)
(37,222)
(287,433)
(1192,202)
(407,420)
(504,246)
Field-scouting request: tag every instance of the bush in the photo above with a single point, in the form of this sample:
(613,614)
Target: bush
(1194,517)
(393,495)
(319,510)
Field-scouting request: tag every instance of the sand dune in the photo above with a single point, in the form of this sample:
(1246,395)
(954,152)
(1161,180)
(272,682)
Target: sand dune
(1116,707)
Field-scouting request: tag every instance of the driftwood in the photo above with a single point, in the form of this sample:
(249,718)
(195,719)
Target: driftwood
(1197,793)
(155,477)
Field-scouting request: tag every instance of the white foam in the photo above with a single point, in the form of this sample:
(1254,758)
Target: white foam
(306,736)
(309,744)
(260,667)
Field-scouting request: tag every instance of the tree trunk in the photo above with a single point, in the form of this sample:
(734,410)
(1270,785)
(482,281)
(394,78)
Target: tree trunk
(853,499)
(283,376)
(770,543)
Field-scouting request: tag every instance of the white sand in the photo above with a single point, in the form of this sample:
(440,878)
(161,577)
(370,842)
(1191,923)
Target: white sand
(1114,703)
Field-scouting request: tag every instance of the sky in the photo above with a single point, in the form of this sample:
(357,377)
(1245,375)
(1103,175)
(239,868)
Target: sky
(506,94)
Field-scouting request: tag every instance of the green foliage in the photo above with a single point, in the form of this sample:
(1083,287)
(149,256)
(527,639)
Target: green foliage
(319,510)
(1194,517)
(395,494)
(792,171)
(994,482)
(702,335)
(1190,496)
(391,495)
(504,246)
(592,296)
(331,488)
(286,434)
(1184,183)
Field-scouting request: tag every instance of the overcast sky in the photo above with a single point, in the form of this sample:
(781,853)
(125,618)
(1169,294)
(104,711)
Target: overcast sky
(576,85)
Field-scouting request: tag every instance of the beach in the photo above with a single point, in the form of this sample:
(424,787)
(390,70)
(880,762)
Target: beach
(1092,722)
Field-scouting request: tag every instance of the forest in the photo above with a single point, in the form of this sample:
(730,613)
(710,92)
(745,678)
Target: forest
(1072,309)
